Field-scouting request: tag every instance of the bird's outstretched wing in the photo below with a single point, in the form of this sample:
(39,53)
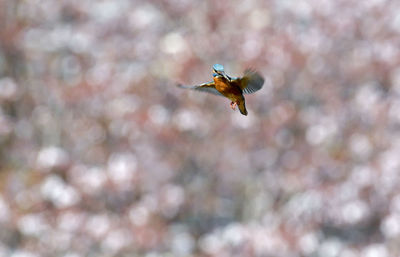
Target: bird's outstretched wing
(205,87)
(250,82)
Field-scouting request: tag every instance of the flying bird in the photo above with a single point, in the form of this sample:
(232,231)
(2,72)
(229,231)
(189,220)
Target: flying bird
(231,87)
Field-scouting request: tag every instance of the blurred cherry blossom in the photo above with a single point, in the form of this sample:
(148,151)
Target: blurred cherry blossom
(102,155)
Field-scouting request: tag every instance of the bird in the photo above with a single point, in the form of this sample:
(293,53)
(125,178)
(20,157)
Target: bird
(231,87)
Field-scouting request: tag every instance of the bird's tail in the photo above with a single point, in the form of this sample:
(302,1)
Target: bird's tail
(242,107)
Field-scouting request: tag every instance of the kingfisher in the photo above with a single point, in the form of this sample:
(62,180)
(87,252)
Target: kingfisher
(231,87)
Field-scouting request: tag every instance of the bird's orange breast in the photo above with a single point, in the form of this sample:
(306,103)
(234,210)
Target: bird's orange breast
(228,89)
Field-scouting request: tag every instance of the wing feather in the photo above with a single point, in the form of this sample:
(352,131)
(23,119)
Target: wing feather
(250,82)
(205,87)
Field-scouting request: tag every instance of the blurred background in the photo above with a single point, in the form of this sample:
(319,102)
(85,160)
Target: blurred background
(101,155)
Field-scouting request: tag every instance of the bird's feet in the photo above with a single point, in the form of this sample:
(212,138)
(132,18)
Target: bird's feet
(233,105)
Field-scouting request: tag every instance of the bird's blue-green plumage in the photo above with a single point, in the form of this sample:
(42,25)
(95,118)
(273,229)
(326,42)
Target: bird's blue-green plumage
(218,70)
(218,67)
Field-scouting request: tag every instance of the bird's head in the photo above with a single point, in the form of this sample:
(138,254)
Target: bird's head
(218,70)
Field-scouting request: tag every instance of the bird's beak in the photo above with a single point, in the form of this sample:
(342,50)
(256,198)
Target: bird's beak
(221,73)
